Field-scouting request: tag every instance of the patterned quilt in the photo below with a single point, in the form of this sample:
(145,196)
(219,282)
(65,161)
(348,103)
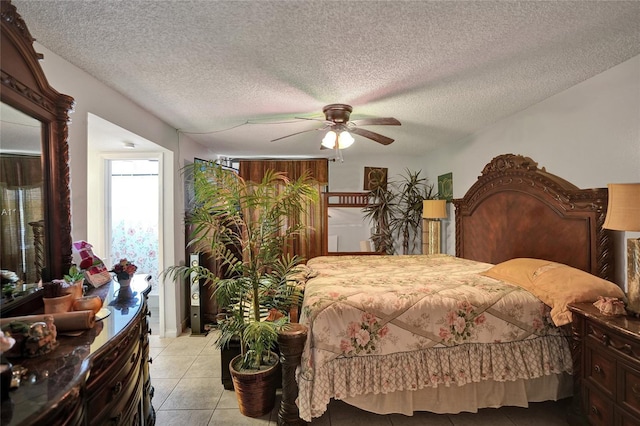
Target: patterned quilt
(379,324)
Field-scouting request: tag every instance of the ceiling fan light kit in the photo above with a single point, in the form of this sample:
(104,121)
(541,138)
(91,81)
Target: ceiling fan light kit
(344,138)
(340,128)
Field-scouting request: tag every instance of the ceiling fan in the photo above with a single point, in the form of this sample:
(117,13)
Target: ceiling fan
(339,127)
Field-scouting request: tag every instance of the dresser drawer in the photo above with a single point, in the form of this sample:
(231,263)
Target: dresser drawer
(600,371)
(625,419)
(629,389)
(599,408)
(619,345)
(127,412)
(117,358)
(117,389)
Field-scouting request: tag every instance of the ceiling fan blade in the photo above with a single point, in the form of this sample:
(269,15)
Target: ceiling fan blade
(381,121)
(311,119)
(371,135)
(297,133)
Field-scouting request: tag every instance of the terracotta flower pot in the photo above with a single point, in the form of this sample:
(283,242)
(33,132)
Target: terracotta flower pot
(75,289)
(255,390)
(55,305)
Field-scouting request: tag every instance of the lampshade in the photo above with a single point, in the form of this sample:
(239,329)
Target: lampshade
(623,210)
(345,140)
(329,139)
(434,209)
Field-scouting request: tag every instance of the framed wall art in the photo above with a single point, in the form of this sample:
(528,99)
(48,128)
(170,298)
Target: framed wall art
(445,186)
(375,177)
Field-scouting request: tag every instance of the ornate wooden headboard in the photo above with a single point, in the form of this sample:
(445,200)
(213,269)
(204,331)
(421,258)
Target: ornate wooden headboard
(516,209)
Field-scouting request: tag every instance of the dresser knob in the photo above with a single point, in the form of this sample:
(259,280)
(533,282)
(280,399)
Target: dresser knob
(597,369)
(594,410)
(636,391)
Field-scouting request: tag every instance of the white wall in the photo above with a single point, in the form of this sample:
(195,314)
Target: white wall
(349,176)
(589,135)
(93,97)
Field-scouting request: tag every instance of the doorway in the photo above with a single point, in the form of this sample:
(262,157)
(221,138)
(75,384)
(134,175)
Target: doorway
(133,223)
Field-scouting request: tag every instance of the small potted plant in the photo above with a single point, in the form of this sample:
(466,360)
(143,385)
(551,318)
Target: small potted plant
(55,299)
(245,226)
(74,281)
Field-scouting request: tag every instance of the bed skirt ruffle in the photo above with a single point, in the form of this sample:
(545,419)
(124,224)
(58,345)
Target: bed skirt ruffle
(434,368)
(468,398)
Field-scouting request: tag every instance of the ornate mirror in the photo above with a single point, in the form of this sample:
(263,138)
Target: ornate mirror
(35,204)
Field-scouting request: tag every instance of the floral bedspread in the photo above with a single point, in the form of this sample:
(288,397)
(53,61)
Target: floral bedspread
(379,324)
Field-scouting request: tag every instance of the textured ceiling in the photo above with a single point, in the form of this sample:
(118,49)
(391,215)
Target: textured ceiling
(241,71)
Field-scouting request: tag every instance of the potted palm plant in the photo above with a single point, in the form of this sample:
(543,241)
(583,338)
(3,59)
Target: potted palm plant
(245,226)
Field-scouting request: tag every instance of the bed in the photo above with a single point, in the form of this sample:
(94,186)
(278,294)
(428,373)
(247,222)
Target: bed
(399,334)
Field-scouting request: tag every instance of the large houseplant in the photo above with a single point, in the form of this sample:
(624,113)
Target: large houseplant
(396,211)
(244,226)
(406,214)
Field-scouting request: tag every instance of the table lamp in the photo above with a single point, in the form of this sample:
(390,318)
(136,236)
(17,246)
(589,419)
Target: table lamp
(432,212)
(623,214)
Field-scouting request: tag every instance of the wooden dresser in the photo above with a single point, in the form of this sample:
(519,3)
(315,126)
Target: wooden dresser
(100,377)
(606,367)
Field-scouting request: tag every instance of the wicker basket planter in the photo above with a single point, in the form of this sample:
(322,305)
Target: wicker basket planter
(255,390)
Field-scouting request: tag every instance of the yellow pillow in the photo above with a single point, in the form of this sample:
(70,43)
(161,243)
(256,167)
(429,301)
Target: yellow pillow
(555,284)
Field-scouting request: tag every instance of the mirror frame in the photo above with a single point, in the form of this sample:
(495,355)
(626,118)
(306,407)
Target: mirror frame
(25,88)
(342,199)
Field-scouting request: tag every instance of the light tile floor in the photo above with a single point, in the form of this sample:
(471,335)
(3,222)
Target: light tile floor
(186,375)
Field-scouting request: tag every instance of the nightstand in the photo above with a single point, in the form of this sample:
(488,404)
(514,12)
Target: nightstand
(606,355)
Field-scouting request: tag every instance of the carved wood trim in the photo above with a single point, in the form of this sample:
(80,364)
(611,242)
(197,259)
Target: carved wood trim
(11,16)
(13,84)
